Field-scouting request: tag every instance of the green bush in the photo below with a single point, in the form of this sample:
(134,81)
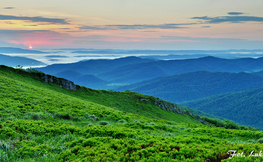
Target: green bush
(103,123)
(35,116)
(260,140)
(122,121)
(62,116)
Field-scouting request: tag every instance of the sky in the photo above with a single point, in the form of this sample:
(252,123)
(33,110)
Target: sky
(132,24)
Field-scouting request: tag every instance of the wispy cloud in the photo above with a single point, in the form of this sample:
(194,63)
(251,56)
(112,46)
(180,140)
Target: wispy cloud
(30,25)
(231,19)
(56,56)
(9,22)
(135,26)
(235,13)
(34,19)
(8,8)
(96,28)
(150,31)
(10,32)
(200,39)
(145,26)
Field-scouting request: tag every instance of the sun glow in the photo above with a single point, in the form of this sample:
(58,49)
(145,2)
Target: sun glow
(30,47)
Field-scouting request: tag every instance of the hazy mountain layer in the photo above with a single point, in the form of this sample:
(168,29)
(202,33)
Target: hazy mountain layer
(194,85)
(15,61)
(241,107)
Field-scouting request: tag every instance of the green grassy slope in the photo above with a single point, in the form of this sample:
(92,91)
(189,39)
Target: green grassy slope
(43,122)
(124,101)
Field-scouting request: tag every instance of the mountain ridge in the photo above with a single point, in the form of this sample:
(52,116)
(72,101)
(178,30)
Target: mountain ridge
(194,85)
(133,69)
(241,107)
(16,60)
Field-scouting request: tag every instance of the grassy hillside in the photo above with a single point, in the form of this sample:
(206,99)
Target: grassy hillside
(44,122)
(195,85)
(243,107)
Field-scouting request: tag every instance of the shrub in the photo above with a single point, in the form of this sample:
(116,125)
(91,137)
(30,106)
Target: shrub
(62,116)
(4,146)
(103,123)
(87,115)
(94,117)
(122,121)
(35,116)
(77,118)
(136,121)
(260,140)
(32,70)
(127,91)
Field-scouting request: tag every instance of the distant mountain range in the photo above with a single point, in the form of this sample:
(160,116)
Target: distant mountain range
(131,70)
(243,107)
(195,85)
(93,67)
(87,80)
(22,61)
(149,70)
(86,73)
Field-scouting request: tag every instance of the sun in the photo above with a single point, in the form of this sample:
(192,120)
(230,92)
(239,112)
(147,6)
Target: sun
(30,47)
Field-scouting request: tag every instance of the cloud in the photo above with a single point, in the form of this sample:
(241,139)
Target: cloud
(34,19)
(200,39)
(54,60)
(77,31)
(9,8)
(145,26)
(136,26)
(150,31)
(56,56)
(231,19)
(96,28)
(14,32)
(9,22)
(30,25)
(235,13)
(205,26)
